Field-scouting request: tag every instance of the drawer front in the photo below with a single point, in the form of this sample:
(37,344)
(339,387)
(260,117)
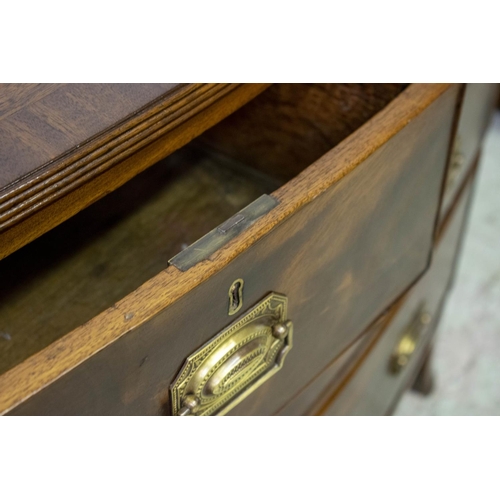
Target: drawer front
(375,387)
(311,395)
(340,260)
(477,108)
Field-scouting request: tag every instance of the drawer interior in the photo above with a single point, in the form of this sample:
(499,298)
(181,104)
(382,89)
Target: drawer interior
(289,126)
(88,263)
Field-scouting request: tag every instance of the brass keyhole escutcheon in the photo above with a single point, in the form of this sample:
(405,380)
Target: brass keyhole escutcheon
(235,297)
(235,362)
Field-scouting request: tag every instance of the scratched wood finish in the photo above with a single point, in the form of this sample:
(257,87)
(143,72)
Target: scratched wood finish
(374,390)
(64,146)
(85,265)
(348,237)
(289,126)
(476,112)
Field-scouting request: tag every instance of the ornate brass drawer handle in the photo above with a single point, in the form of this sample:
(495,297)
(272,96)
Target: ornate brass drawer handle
(235,362)
(409,340)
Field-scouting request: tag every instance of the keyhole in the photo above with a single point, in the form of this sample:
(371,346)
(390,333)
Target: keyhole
(235,297)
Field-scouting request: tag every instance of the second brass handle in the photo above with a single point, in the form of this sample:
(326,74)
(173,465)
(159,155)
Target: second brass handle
(409,340)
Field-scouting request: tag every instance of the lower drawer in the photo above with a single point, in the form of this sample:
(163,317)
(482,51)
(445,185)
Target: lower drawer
(399,352)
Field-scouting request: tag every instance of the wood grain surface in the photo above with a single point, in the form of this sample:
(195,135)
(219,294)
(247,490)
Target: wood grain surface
(373,389)
(85,265)
(320,392)
(40,123)
(349,235)
(306,400)
(289,126)
(62,147)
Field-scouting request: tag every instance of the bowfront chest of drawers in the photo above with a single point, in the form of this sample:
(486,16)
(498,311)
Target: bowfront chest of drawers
(240,249)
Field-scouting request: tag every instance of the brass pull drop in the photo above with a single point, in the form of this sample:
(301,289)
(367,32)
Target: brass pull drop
(190,403)
(409,340)
(235,362)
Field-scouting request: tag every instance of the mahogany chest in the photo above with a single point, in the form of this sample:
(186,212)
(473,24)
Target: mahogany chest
(241,249)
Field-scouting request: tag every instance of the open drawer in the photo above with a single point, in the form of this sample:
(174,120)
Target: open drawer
(336,198)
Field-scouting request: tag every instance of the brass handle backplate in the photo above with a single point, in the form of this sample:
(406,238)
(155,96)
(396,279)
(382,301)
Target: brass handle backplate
(409,340)
(235,362)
